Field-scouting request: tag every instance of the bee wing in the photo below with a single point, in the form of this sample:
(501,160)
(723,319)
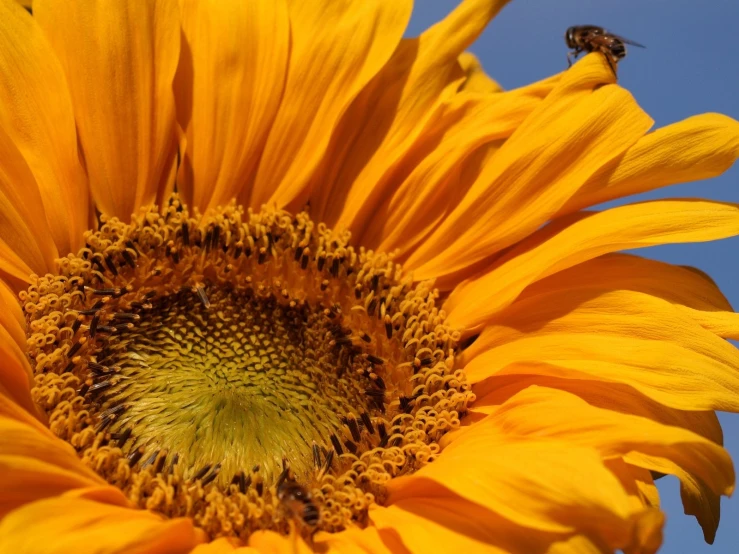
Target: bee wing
(628,41)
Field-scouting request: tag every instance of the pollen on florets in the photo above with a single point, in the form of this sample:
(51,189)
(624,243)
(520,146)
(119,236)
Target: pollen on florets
(207,365)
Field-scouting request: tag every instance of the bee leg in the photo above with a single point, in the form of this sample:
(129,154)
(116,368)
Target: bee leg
(611,65)
(572,55)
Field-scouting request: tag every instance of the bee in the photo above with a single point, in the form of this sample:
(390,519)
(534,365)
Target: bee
(591,38)
(296,499)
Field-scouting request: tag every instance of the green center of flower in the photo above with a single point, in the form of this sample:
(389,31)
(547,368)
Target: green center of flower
(244,370)
(226,378)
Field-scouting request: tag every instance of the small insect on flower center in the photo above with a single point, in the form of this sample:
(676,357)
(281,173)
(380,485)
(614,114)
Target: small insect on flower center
(247,370)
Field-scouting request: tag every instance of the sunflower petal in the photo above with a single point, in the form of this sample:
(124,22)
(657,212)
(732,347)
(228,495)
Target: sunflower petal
(700,501)
(85,526)
(617,336)
(269,542)
(120,60)
(223,546)
(25,246)
(551,482)
(699,147)
(37,465)
(389,116)
(546,252)
(539,412)
(476,80)
(636,481)
(338,46)
(36,113)
(15,372)
(688,288)
(559,146)
(369,540)
(424,523)
(577,544)
(496,390)
(11,316)
(425,192)
(234,61)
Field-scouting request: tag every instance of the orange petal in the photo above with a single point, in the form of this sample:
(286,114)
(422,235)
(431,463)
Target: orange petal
(120,60)
(228,88)
(36,112)
(15,372)
(688,288)
(496,390)
(548,251)
(476,80)
(337,47)
(613,336)
(698,498)
(269,542)
(426,188)
(25,246)
(699,147)
(549,486)
(11,316)
(559,146)
(700,501)
(577,544)
(636,481)
(539,412)
(223,546)
(369,540)
(389,116)
(35,464)
(62,525)
(441,522)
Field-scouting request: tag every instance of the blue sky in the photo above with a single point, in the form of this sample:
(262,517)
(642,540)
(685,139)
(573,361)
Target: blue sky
(690,66)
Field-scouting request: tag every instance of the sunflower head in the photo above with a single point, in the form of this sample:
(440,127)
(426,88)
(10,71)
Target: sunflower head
(275,278)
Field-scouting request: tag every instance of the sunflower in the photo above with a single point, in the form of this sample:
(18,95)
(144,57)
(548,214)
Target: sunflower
(277,279)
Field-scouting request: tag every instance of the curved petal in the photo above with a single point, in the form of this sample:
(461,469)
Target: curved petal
(369,540)
(576,130)
(578,544)
(36,113)
(380,127)
(617,397)
(426,187)
(337,46)
(554,249)
(228,88)
(614,336)
(15,373)
(85,526)
(541,412)
(688,288)
(443,522)
(223,546)
(547,486)
(35,465)
(698,498)
(699,147)
(476,80)
(269,542)
(120,60)
(26,246)
(11,316)
(636,481)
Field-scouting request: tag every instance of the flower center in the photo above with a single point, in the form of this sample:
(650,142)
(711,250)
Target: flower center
(244,370)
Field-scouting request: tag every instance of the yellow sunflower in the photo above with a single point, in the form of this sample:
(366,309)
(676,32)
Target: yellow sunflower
(360,305)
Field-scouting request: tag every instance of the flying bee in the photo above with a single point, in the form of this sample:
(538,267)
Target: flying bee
(591,38)
(296,499)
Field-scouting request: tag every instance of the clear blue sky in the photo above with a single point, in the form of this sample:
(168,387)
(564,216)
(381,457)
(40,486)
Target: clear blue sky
(690,66)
